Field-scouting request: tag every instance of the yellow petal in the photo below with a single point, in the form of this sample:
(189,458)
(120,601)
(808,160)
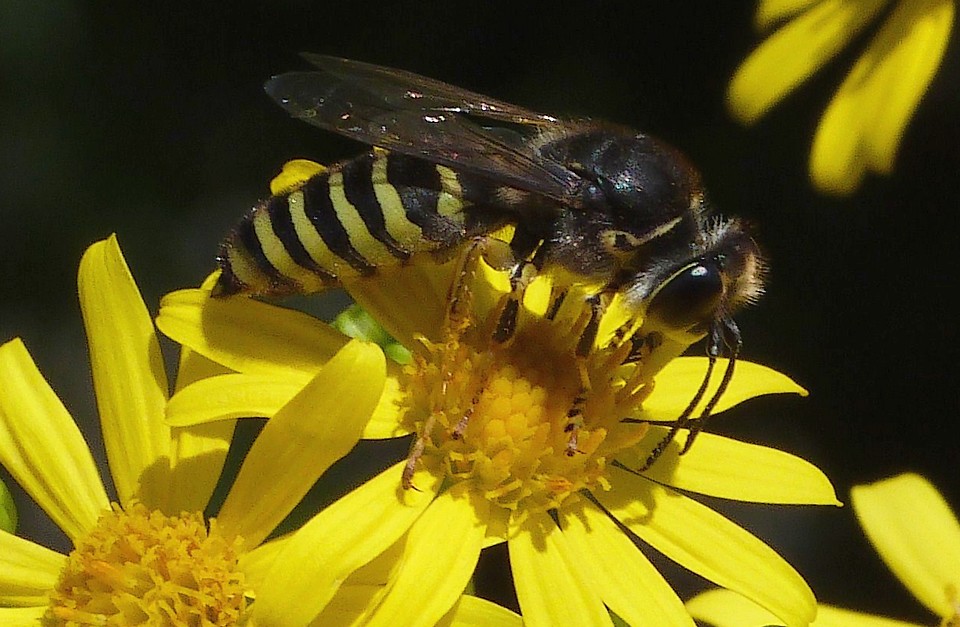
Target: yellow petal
(197,454)
(708,544)
(409,301)
(439,555)
(349,607)
(42,448)
(22,616)
(915,532)
(678,382)
(234,395)
(865,121)
(621,575)
(257,562)
(905,56)
(722,608)
(551,584)
(128,375)
(793,53)
(28,571)
(321,424)
(828,616)
(246,335)
(471,611)
(336,542)
(771,11)
(730,469)
(385,421)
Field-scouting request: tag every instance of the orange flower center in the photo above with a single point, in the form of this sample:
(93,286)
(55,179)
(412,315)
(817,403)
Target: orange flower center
(141,567)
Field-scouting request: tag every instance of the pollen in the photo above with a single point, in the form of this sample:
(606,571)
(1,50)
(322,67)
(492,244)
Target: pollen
(141,567)
(525,425)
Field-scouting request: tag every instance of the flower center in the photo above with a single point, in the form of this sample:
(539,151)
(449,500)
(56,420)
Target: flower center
(526,424)
(141,567)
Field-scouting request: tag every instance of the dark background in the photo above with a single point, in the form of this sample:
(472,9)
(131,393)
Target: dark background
(148,120)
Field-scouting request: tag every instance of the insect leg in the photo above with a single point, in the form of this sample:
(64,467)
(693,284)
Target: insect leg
(557,296)
(520,277)
(456,319)
(575,413)
(730,336)
(723,333)
(598,305)
(520,258)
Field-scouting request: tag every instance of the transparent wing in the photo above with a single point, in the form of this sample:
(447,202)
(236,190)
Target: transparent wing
(425,118)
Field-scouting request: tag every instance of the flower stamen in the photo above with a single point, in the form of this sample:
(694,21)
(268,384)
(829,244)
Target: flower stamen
(527,423)
(141,567)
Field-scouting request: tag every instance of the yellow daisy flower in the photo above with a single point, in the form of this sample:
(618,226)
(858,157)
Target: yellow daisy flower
(150,557)
(863,124)
(494,465)
(915,533)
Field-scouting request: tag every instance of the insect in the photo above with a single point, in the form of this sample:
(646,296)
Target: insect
(594,205)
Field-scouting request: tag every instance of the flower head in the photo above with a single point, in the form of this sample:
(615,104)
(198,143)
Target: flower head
(916,535)
(150,557)
(493,460)
(863,124)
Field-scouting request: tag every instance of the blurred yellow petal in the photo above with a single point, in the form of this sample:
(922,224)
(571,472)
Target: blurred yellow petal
(22,616)
(128,375)
(770,12)
(703,541)
(863,124)
(321,424)
(337,541)
(916,533)
(442,568)
(42,448)
(621,575)
(828,616)
(246,335)
(677,383)
(28,571)
(471,611)
(722,608)
(905,54)
(551,584)
(233,396)
(790,55)
(731,469)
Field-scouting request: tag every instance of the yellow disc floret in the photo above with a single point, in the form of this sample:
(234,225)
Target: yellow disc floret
(141,567)
(527,424)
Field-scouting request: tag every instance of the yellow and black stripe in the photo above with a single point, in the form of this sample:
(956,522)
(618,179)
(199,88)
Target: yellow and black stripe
(376,210)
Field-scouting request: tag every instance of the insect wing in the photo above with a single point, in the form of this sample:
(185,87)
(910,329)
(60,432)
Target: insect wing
(425,118)
(404,90)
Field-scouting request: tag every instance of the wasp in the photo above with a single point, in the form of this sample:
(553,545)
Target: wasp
(593,204)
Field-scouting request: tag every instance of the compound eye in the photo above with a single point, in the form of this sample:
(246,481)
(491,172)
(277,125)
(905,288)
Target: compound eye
(689,299)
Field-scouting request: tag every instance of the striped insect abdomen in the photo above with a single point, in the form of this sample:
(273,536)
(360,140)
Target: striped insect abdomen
(376,210)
